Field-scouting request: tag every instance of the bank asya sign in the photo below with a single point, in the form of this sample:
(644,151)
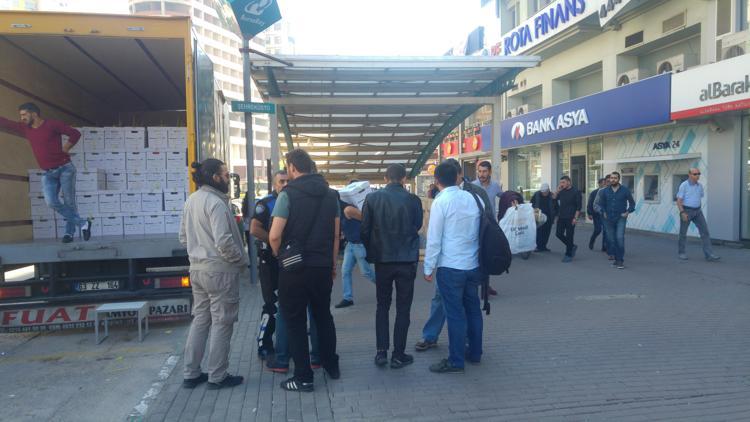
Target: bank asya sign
(549,21)
(711,89)
(644,103)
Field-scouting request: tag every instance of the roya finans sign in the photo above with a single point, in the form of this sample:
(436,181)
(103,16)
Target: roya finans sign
(711,89)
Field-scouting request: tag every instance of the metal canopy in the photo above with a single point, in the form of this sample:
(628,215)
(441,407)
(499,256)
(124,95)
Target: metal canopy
(357,115)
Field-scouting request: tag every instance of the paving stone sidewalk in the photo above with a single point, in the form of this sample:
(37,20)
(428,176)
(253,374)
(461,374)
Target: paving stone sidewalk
(661,340)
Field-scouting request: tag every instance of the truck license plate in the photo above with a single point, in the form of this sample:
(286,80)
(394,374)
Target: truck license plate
(89,286)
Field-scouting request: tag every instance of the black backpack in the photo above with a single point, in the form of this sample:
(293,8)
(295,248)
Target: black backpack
(494,250)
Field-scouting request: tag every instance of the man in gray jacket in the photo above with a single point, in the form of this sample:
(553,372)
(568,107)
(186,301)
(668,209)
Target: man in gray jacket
(217,263)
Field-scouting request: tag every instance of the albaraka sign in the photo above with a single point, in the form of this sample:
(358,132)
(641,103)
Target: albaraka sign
(711,89)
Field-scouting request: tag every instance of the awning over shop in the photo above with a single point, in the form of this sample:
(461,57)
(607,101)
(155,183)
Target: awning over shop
(357,115)
(653,158)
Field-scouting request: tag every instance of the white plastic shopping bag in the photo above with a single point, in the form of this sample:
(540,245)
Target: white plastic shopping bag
(355,193)
(519,226)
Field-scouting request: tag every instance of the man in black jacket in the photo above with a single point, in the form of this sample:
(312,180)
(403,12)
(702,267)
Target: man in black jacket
(307,214)
(391,219)
(542,201)
(568,201)
(596,217)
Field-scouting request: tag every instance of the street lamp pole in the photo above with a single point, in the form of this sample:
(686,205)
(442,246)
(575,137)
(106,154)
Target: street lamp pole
(250,159)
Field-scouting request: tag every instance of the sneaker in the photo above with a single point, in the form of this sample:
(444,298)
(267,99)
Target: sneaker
(573,251)
(541,250)
(591,244)
(567,258)
(398,362)
(227,382)
(67,238)
(86,229)
(423,345)
(344,304)
(264,354)
(315,364)
(620,265)
(683,256)
(467,358)
(274,366)
(611,258)
(491,291)
(194,382)
(713,258)
(444,367)
(292,384)
(381,359)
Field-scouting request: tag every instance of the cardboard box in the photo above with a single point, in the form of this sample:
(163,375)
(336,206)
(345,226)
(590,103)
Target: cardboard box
(91,180)
(177,180)
(109,202)
(157,132)
(176,160)
(135,161)
(39,207)
(43,228)
(174,201)
(115,160)
(177,133)
(172,221)
(133,225)
(156,161)
(135,138)
(136,181)
(154,223)
(177,144)
(114,133)
(117,180)
(130,202)
(157,144)
(88,204)
(156,181)
(152,202)
(78,159)
(93,139)
(114,145)
(355,193)
(35,180)
(111,225)
(95,160)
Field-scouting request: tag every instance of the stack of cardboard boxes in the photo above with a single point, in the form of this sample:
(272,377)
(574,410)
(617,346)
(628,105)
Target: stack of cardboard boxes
(130,180)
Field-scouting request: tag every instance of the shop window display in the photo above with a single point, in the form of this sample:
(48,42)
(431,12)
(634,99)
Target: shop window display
(651,188)
(676,182)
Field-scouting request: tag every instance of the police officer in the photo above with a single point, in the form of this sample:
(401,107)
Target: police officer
(260,224)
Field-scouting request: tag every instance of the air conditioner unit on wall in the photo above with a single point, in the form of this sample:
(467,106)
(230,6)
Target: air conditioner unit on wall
(673,64)
(625,78)
(735,45)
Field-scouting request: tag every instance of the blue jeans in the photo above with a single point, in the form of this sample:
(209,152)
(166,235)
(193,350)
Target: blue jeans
(282,341)
(435,322)
(354,254)
(63,179)
(460,292)
(616,237)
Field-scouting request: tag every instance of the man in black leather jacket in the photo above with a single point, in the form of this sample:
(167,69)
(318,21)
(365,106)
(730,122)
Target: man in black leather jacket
(391,219)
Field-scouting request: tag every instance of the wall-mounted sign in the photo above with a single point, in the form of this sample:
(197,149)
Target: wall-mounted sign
(551,20)
(608,9)
(644,103)
(450,148)
(711,89)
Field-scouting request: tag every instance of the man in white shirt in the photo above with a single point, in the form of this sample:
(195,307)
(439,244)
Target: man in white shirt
(452,258)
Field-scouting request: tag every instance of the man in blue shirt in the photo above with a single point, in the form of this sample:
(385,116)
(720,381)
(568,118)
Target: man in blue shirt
(452,258)
(614,203)
(689,198)
(484,180)
(354,252)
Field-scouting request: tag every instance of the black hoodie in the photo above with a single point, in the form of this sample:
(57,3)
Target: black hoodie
(308,194)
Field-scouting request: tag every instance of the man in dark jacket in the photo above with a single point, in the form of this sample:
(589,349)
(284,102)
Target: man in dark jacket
(391,219)
(568,210)
(615,203)
(596,217)
(542,201)
(307,214)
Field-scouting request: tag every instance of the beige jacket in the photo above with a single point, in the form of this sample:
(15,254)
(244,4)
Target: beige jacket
(211,235)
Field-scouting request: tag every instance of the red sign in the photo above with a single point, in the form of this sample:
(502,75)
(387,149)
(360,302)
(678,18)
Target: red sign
(473,143)
(450,148)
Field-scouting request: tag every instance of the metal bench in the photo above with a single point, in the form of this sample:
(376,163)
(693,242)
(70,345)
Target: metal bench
(141,309)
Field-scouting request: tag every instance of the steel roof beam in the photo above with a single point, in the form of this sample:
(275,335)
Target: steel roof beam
(497,87)
(273,89)
(379,100)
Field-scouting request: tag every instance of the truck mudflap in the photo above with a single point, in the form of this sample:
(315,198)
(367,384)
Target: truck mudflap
(49,318)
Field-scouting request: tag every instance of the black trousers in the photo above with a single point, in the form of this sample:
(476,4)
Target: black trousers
(542,233)
(598,228)
(269,282)
(565,232)
(310,286)
(386,275)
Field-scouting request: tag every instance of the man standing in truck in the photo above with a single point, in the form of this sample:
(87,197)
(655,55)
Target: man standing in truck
(45,137)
